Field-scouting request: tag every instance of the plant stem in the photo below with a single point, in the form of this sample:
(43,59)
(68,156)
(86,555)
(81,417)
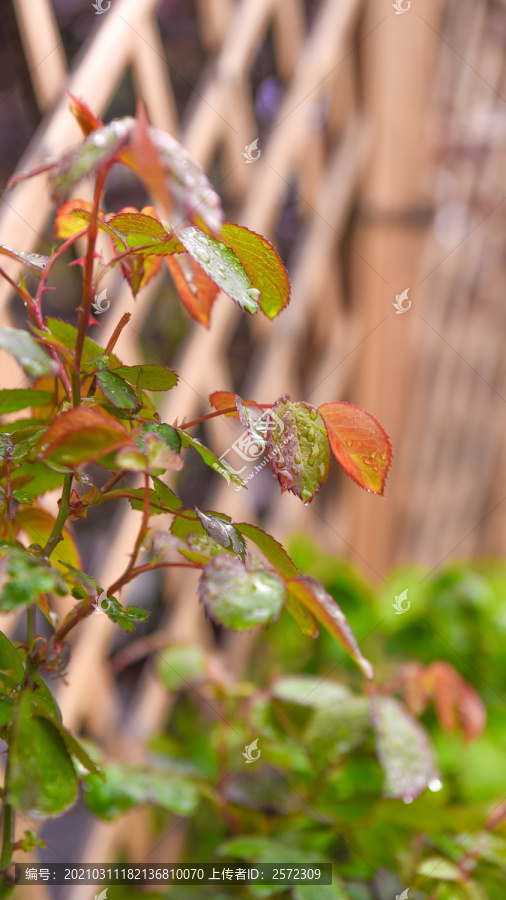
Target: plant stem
(116,333)
(85,308)
(6,854)
(80,612)
(222,412)
(63,515)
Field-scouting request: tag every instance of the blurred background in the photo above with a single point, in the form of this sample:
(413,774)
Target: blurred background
(380,180)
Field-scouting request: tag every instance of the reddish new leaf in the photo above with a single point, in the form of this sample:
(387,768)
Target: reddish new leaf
(227,400)
(80,435)
(324,608)
(298,448)
(457,703)
(196,290)
(359,443)
(88,122)
(262,264)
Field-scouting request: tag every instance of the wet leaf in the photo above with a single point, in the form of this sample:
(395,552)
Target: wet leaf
(238,598)
(153,378)
(224,533)
(338,729)
(29,354)
(359,444)
(173,177)
(194,287)
(180,665)
(222,266)
(403,750)
(225,400)
(66,334)
(15,399)
(81,435)
(117,391)
(324,608)
(298,448)
(314,691)
(100,146)
(128,786)
(124,616)
(262,264)
(34,262)
(42,780)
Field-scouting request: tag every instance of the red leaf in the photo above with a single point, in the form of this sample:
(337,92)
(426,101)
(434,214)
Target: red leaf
(457,703)
(67,222)
(325,609)
(224,400)
(88,122)
(359,443)
(196,290)
(80,435)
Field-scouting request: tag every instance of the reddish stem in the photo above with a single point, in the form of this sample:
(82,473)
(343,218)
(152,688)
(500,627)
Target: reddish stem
(220,412)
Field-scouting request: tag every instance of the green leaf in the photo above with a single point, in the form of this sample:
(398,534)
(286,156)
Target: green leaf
(210,459)
(34,262)
(324,608)
(154,378)
(81,435)
(73,745)
(84,159)
(181,664)
(141,230)
(334,891)
(36,478)
(403,750)
(168,498)
(41,781)
(262,264)
(439,868)
(223,267)
(6,711)
(28,579)
(298,448)
(224,533)
(66,334)
(117,391)
(127,786)
(44,703)
(238,598)
(181,526)
(20,398)
(314,691)
(338,729)
(167,433)
(270,547)
(10,660)
(124,616)
(29,354)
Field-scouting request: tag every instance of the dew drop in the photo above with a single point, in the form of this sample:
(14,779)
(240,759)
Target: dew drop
(254,293)
(306,496)
(435,784)
(313,414)
(203,255)
(100,140)
(408,800)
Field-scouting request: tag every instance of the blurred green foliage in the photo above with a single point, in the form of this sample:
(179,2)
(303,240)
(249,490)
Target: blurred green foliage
(317,791)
